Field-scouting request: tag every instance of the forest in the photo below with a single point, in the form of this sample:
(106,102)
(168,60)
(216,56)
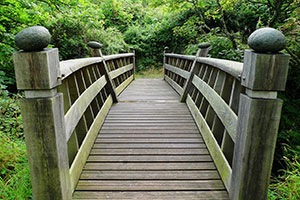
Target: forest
(148,26)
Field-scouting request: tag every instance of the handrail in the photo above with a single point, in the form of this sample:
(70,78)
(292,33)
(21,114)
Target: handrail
(231,67)
(116,56)
(67,67)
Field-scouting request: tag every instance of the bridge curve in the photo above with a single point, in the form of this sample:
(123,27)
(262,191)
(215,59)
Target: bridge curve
(149,147)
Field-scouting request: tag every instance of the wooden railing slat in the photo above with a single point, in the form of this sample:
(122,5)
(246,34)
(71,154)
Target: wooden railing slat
(115,73)
(122,86)
(220,161)
(177,87)
(226,115)
(80,105)
(177,70)
(82,155)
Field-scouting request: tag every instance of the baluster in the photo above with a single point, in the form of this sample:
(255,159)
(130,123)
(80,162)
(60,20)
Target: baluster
(132,50)
(217,126)
(204,103)
(166,61)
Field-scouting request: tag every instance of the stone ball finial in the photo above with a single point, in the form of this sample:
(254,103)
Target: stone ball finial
(131,48)
(166,48)
(204,45)
(34,38)
(266,40)
(94,45)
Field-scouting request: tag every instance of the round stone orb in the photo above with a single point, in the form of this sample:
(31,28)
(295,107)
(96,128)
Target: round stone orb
(267,40)
(94,45)
(35,38)
(204,45)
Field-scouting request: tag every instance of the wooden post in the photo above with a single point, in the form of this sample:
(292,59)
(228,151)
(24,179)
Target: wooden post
(258,120)
(38,74)
(132,50)
(165,60)
(95,48)
(202,52)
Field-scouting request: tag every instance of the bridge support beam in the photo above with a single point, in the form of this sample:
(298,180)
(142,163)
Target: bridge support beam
(202,52)
(95,48)
(38,74)
(259,116)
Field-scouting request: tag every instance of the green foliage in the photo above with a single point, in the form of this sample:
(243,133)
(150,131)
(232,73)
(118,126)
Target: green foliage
(14,170)
(287,185)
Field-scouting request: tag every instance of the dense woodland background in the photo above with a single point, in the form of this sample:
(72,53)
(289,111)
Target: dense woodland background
(148,26)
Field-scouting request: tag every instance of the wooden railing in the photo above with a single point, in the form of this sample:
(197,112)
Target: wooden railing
(63,110)
(236,109)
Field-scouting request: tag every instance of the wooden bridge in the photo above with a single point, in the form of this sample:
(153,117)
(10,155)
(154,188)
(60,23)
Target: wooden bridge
(207,131)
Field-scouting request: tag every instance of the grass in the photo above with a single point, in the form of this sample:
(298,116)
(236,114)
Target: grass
(286,185)
(150,73)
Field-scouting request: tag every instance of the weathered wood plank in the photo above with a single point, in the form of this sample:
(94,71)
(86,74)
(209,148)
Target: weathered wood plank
(177,70)
(149,152)
(213,147)
(150,166)
(151,175)
(225,113)
(166,195)
(121,87)
(78,108)
(138,158)
(177,87)
(146,145)
(86,146)
(148,140)
(85,185)
(122,70)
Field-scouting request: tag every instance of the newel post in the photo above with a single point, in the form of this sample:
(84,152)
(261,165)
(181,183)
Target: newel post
(264,73)
(38,74)
(95,48)
(166,49)
(132,50)
(202,52)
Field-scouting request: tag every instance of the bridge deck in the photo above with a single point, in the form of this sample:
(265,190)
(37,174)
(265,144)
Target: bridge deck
(149,148)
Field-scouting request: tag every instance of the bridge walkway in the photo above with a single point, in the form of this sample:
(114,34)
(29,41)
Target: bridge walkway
(149,148)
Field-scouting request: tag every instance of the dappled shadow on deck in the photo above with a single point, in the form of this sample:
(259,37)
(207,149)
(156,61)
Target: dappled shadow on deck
(149,148)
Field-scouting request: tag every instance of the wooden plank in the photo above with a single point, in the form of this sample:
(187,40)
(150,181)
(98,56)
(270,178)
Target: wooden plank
(148,140)
(78,108)
(121,87)
(165,195)
(213,147)
(149,152)
(151,175)
(146,146)
(226,115)
(150,135)
(150,166)
(177,87)
(86,185)
(136,158)
(158,131)
(122,70)
(177,71)
(86,146)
